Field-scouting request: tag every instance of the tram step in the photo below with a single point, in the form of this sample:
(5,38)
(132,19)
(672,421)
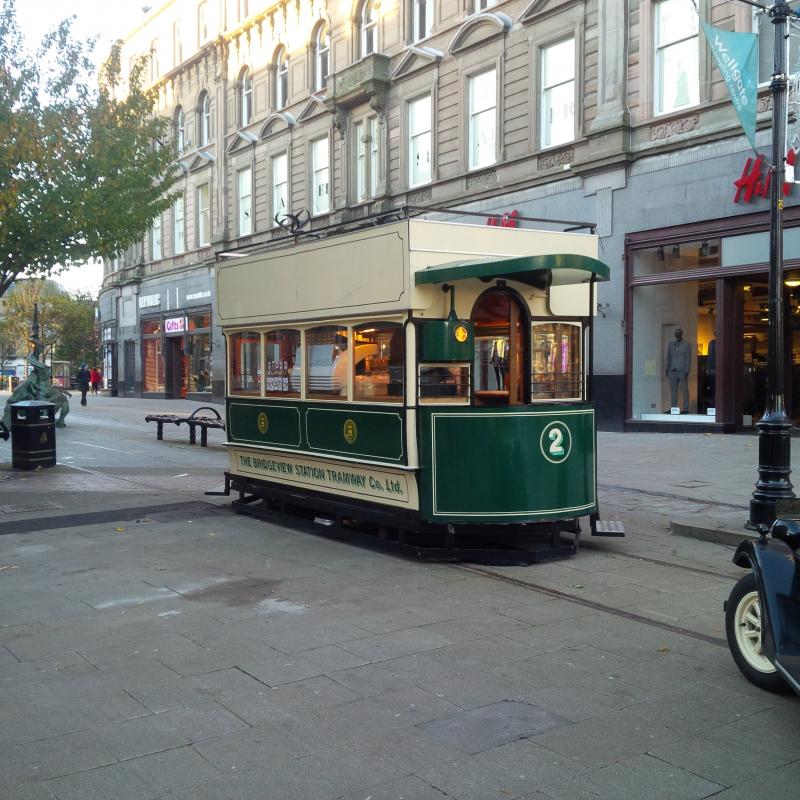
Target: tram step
(608,527)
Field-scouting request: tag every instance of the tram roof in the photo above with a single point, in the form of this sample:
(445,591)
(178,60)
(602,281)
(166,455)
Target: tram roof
(539,271)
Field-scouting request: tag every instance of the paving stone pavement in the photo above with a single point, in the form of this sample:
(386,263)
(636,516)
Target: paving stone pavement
(192,654)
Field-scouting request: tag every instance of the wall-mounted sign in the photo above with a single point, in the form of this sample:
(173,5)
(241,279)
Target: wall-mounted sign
(175,325)
(149,300)
(507,220)
(198,295)
(754,183)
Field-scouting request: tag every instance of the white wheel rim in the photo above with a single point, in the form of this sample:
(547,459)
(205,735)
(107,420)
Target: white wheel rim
(748,632)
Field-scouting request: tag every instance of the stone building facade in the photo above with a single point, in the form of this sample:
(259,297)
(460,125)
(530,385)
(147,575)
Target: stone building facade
(603,111)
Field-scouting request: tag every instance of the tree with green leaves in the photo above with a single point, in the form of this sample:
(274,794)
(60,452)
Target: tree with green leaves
(85,164)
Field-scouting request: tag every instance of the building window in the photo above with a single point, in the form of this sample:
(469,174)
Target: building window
(202,23)
(280,186)
(422,19)
(281,78)
(322,50)
(180,130)
(177,44)
(204,112)
(179,226)
(246,98)
(283,356)
(245,201)
(558,94)
(244,10)
(379,360)
(482,5)
(677,80)
(482,119)
(244,357)
(762,25)
(203,216)
(369,28)
(154,71)
(155,239)
(320,192)
(419,141)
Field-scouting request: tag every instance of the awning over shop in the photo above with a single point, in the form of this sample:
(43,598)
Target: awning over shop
(538,271)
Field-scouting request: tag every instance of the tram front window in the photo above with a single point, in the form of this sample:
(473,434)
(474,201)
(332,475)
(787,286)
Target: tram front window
(245,363)
(379,356)
(327,362)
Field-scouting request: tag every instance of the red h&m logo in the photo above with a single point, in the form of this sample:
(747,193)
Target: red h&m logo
(752,182)
(508,220)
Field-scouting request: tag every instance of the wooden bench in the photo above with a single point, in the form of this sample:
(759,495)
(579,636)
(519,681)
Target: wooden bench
(194,420)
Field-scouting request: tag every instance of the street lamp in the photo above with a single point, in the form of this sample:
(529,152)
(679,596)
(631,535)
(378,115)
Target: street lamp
(774,428)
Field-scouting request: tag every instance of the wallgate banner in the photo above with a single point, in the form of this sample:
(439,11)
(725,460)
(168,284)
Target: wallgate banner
(736,55)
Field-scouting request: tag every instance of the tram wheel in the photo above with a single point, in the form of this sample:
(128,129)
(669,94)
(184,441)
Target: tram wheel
(743,628)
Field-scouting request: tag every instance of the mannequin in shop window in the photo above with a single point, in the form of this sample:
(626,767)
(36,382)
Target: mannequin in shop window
(711,367)
(678,363)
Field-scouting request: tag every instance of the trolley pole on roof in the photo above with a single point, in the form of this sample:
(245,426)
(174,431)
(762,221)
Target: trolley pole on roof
(774,429)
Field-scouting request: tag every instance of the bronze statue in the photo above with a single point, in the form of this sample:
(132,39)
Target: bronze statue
(36,386)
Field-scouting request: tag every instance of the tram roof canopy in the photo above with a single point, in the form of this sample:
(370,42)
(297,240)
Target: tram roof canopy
(539,271)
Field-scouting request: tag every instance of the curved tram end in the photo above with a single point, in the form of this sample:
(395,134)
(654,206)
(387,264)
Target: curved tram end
(406,534)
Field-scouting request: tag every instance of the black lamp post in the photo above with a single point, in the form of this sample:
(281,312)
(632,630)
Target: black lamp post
(774,437)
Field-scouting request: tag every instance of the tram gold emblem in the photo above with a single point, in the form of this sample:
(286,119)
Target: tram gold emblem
(350,431)
(460,333)
(263,423)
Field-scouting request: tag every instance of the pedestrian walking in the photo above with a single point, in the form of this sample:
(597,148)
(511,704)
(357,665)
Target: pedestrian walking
(82,380)
(95,378)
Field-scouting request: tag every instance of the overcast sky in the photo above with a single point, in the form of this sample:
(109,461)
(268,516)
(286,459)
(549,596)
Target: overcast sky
(108,19)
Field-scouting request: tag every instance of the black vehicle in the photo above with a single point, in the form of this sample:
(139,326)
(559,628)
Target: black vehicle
(762,614)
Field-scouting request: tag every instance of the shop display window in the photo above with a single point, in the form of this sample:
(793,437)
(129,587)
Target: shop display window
(151,327)
(199,362)
(674,355)
(244,359)
(676,257)
(283,357)
(199,321)
(152,365)
(378,362)
(556,372)
(327,362)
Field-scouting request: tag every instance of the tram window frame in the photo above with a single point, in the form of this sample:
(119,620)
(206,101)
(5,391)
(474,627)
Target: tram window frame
(259,371)
(367,390)
(540,395)
(285,374)
(344,370)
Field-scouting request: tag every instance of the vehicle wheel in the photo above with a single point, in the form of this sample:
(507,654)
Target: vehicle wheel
(743,629)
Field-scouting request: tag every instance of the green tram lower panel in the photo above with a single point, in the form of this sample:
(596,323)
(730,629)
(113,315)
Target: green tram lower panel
(363,432)
(507,465)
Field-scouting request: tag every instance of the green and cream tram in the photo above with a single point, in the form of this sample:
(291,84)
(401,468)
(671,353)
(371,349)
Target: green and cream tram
(426,378)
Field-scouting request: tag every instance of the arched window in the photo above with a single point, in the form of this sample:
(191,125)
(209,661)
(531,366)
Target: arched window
(281,78)
(180,130)
(322,50)
(154,60)
(245,98)
(204,119)
(369,28)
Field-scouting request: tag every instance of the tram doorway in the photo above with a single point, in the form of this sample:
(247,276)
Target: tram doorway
(501,349)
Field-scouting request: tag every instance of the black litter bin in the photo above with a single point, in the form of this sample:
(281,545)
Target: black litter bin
(33,434)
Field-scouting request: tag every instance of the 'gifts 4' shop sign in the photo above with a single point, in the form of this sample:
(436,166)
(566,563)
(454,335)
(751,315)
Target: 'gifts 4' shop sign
(175,325)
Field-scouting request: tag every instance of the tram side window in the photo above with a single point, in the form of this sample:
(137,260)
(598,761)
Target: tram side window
(244,357)
(556,372)
(327,362)
(283,359)
(378,359)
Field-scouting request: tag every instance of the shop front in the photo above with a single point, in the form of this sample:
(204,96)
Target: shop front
(176,355)
(697,312)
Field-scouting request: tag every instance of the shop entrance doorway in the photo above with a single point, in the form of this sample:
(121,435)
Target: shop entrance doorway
(176,366)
